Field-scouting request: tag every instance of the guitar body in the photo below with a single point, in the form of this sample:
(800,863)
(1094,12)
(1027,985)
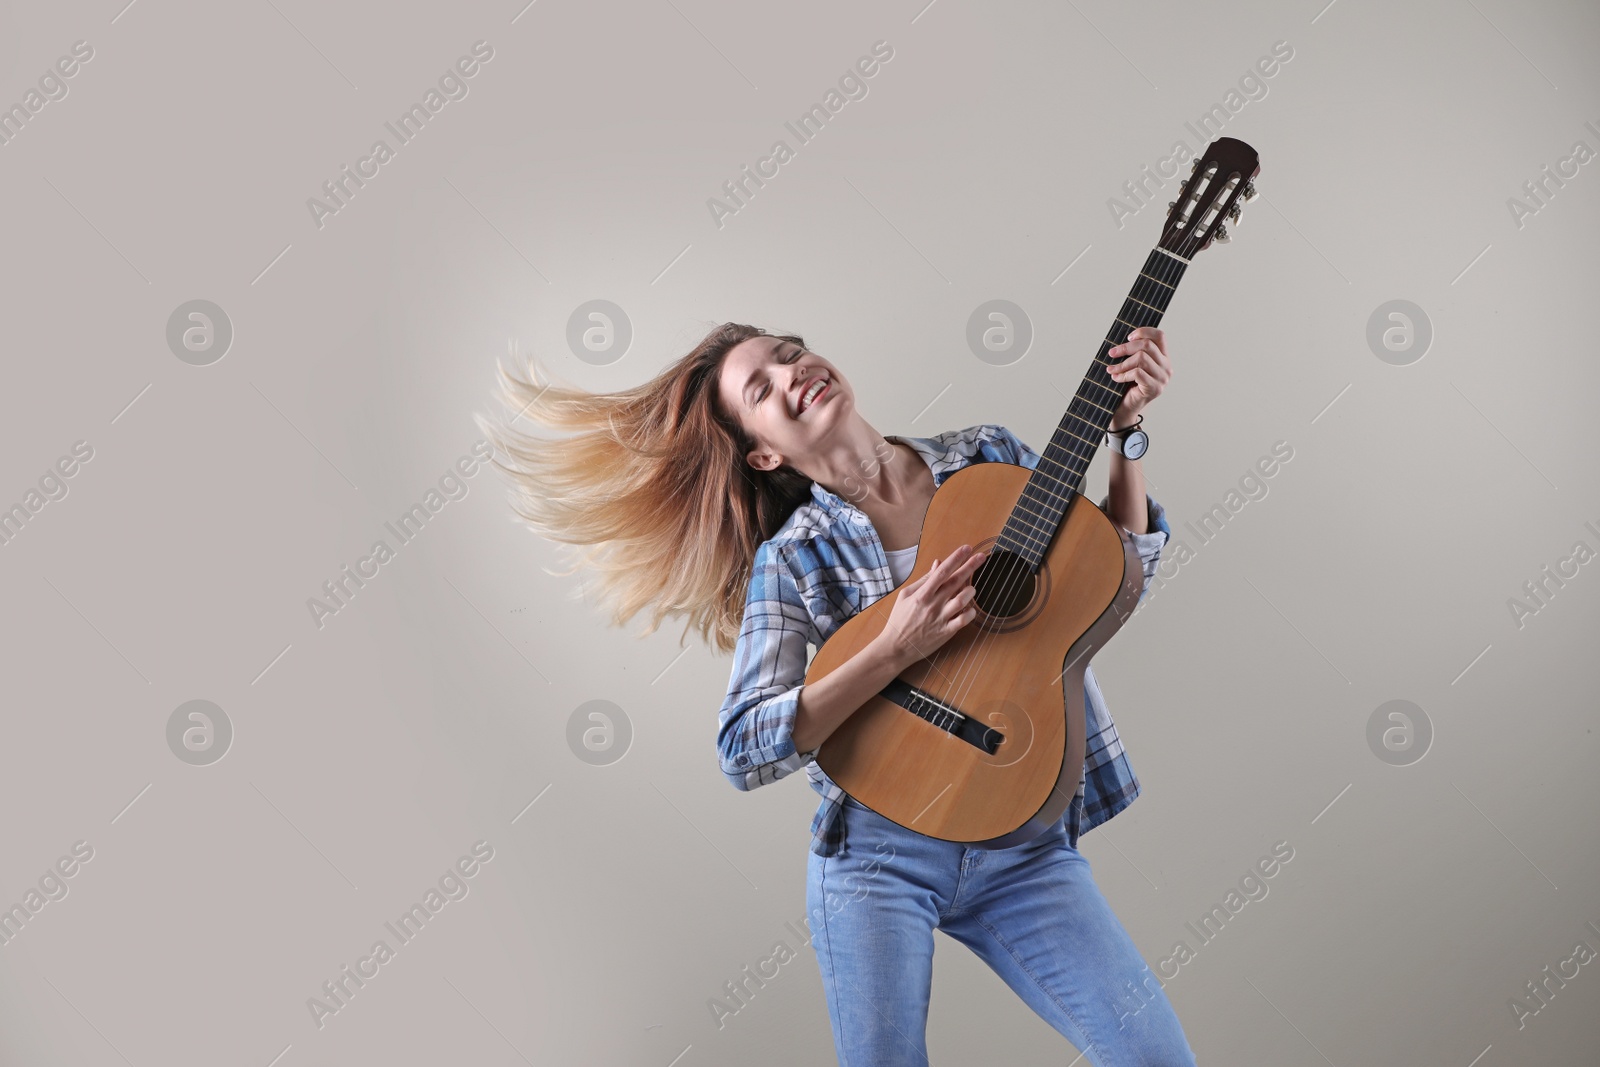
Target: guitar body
(1017,670)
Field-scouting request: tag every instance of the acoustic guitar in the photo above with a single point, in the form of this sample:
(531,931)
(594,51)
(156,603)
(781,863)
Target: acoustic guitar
(982,742)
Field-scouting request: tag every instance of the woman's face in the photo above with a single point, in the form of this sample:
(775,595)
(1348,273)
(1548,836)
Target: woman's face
(772,387)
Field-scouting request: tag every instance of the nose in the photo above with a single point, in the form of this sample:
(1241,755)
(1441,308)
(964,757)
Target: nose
(796,380)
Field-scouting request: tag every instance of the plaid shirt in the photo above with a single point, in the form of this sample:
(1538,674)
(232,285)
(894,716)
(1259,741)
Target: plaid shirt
(823,565)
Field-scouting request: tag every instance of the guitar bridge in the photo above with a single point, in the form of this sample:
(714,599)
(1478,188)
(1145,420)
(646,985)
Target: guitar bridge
(932,710)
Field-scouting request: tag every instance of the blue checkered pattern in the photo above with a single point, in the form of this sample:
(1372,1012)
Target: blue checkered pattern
(822,566)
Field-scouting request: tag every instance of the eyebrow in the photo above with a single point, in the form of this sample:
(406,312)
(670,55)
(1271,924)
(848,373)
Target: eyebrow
(748,382)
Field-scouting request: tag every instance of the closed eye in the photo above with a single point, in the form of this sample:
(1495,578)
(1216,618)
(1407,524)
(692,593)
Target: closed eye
(768,388)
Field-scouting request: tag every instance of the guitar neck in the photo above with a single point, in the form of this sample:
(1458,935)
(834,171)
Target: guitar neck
(1065,461)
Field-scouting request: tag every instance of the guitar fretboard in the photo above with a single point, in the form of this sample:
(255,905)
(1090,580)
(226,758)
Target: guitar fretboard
(1064,462)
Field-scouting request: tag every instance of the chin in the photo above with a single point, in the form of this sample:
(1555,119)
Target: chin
(830,409)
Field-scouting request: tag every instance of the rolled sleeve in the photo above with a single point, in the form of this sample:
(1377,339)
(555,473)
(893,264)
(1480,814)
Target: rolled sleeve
(755,731)
(1024,456)
(1150,543)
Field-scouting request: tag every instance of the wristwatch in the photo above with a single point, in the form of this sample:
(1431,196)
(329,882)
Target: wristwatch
(1130,441)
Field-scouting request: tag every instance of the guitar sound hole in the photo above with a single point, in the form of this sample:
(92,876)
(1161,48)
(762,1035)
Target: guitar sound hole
(1005,583)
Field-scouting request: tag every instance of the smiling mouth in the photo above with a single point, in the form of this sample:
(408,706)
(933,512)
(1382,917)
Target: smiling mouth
(812,393)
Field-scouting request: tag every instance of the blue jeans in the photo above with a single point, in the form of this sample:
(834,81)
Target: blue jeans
(1031,912)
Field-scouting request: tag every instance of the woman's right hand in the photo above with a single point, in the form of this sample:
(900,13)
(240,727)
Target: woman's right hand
(932,609)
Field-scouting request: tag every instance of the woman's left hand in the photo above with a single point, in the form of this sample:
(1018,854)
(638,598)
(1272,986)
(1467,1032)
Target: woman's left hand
(1147,368)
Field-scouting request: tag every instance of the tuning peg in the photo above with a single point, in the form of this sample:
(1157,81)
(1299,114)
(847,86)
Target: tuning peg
(1234,212)
(1194,165)
(1222,235)
(1248,193)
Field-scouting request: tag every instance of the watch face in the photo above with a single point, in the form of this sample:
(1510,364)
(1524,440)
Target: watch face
(1135,443)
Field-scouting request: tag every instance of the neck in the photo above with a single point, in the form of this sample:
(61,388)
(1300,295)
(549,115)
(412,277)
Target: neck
(858,465)
(1062,465)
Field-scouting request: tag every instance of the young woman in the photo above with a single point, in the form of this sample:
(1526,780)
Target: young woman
(742,488)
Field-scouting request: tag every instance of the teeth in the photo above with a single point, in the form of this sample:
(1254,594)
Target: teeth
(811,393)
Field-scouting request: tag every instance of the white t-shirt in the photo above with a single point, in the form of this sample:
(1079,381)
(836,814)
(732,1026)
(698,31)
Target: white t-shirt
(900,561)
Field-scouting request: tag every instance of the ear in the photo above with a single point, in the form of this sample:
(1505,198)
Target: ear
(763,460)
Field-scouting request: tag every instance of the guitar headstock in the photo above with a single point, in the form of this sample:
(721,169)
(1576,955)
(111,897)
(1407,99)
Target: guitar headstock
(1213,197)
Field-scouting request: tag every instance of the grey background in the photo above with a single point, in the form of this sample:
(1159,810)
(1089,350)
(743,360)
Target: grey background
(429,713)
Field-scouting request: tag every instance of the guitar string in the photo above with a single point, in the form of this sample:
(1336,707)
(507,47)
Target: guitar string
(1051,496)
(975,655)
(981,648)
(967,671)
(983,645)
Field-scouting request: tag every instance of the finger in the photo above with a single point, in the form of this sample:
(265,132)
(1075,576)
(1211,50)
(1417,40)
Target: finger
(939,572)
(1135,351)
(1148,333)
(1122,370)
(960,583)
(1145,381)
(959,603)
(952,562)
(1141,381)
(1160,371)
(959,622)
(962,574)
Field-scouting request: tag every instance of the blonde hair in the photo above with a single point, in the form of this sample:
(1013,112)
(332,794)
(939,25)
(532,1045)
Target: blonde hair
(653,487)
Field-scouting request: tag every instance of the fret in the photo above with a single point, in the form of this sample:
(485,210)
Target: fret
(1091,403)
(1016,535)
(1085,440)
(1045,526)
(1057,443)
(1150,297)
(1049,500)
(1044,520)
(1046,458)
(1039,509)
(1032,556)
(1045,500)
(1141,303)
(1062,441)
(1031,542)
(1042,487)
(1158,281)
(1106,388)
(1046,490)
(1043,531)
